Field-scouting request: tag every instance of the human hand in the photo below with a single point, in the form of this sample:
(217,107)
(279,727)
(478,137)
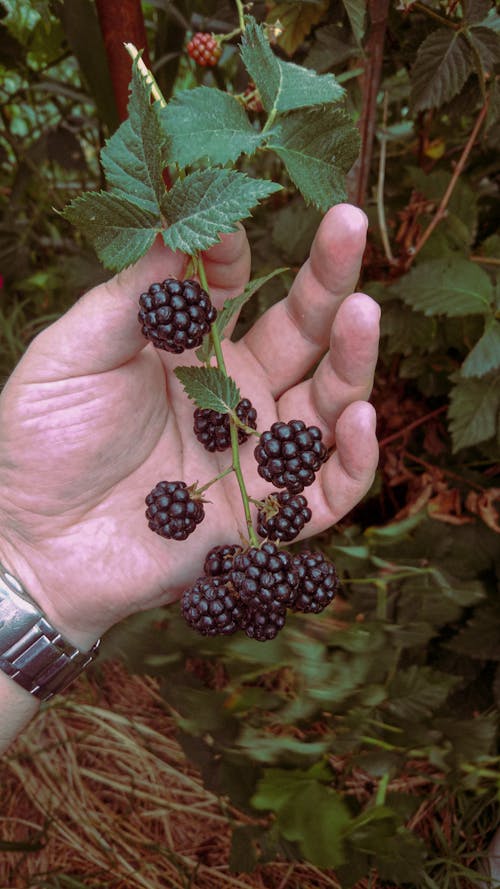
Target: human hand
(93,417)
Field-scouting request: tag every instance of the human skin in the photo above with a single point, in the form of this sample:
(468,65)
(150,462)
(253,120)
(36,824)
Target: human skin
(93,417)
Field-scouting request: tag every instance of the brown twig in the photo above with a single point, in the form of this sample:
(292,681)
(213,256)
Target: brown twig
(395,435)
(378,11)
(441,210)
(431,467)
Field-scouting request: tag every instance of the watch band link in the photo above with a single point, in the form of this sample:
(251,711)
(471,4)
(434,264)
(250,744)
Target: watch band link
(32,652)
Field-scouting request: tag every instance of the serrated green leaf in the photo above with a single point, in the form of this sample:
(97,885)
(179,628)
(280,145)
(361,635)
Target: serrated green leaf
(207,123)
(133,158)
(479,638)
(473,411)
(209,388)
(486,44)
(356,13)
(119,231)
(418,692)
(229,309)
(442,65)
(485,356)
(450,286)
(284,86)
(207,203)
(318,147)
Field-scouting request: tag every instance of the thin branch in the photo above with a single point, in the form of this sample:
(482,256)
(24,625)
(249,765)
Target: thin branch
(421,7)
(380,185)
(441,210)
(410,426)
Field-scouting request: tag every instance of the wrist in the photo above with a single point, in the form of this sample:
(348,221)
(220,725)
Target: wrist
(27,569)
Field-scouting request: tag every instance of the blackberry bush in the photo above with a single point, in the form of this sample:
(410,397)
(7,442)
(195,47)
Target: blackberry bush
(289,455)
(176,315)
(172,512)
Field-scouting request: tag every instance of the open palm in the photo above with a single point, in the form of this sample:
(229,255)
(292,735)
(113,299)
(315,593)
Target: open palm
(93,417)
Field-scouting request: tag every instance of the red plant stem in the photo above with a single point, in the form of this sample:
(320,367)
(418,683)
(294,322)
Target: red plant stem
(448,472)
(378,11)
(395,435)
(121,22)
(441,210)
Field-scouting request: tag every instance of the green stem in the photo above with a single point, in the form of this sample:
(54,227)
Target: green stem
(212,481)
(270,120)
(241,15)
(235,447)
(382,790)
(146,73)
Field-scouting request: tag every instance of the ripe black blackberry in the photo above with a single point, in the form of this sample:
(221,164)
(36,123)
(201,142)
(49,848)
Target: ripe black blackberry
(171,511)
(211,608)
(219,560)
(176,315)
(318,581)
(263,625)
(212,428)
(293,513)
(290,454)
(264,577)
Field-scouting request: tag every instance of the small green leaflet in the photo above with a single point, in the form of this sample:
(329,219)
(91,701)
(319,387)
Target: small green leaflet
(208,202)
(443,64)
(229,309)
(120,231)
(450,286)
(132,158)
(485,355)
(318,147)
(209,388)
(283,86)
(473,412)
(207,123)
(416,692)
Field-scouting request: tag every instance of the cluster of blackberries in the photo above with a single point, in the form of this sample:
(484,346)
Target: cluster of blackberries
(252,589)
(241,589)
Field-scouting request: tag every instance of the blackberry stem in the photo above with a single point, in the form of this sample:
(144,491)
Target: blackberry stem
(233,428)
(212,481)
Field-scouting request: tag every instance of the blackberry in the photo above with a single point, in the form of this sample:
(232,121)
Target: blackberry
(263,625)
(318,582)
(204,49)
(219,560)
(212,428)
(289,455)
(176,315)
(171,512)
(211,608)
(293,513)
(264,577)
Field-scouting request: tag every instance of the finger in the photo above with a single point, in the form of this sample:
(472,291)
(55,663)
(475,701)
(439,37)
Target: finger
(348,474)
(346,372)
(293,334)
(101,331)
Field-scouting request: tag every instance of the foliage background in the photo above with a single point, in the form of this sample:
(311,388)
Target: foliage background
(339,737)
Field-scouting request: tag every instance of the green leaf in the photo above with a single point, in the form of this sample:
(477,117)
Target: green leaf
(473,411)
(284,86)
(485,356)
(308,812)
(318,147)
(229,309)
(207,123)
(418,691)
(479,638)
(133,159)
(296,20)
(486,44)
(475,10)
(209,388)
(208,202)
(356,13)
(450,286)
(442,65)
(119,231)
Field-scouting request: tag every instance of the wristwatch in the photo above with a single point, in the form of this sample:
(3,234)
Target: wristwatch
(32,652)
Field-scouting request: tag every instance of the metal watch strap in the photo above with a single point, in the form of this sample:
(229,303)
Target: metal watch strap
(32,652)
